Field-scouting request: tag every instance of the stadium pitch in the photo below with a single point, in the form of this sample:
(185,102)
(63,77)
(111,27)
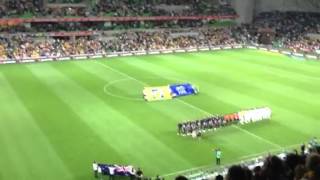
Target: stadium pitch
(57,117)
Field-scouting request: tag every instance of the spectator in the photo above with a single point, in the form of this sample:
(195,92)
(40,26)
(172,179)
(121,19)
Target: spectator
(236,172)
(219,177)
(273,169)
(139,174)
(181,178)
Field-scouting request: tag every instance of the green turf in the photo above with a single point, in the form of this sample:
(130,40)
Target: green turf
(57,117)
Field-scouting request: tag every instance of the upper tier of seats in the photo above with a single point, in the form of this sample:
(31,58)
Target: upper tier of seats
(114,8)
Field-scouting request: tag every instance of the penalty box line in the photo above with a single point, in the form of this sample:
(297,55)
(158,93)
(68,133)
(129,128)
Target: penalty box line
(194,107)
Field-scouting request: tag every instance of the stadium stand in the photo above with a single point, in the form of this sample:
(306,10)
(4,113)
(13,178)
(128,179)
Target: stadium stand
(292,30)
(297,31)
(31,29)
(21,46)
(115,8)
(27,46)
(288,165)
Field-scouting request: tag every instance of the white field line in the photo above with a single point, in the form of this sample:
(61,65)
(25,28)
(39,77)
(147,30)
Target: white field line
(194,107)
(257,137)
(242,158)
(186,170)
(105,88)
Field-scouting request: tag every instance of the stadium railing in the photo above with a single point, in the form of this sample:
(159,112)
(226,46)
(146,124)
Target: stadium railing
(17,21)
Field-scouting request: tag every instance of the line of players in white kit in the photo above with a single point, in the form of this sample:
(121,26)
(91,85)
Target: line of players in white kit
(254,115)
(197,127)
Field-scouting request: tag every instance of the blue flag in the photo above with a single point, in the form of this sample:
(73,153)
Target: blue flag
(182,89)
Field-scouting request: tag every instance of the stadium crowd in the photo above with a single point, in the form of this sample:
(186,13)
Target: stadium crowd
(22,46)
(25,47)
(115,8)
(297,31)
(163,7)
(290,166)
(292,30)
(296,165)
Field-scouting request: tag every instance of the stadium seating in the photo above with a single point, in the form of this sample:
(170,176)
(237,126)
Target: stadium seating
(31,47)
(292,30)
(26,32)
(30,8)
(282,166)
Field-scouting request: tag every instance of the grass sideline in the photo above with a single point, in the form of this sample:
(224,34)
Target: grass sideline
(56,117)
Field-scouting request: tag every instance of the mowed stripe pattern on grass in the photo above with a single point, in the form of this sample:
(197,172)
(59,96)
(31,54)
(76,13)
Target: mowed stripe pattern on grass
(59,113)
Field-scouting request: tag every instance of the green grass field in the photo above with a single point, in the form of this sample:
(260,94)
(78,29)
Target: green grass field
(57,117)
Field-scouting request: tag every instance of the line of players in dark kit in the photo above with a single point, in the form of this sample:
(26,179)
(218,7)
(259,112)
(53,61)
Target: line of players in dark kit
(197,127)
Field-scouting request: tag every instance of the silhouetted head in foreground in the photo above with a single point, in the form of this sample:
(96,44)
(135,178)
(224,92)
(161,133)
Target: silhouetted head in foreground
(181,178)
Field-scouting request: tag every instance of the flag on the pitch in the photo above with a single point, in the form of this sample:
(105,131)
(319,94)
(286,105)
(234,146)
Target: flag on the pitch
(113,169)
(183,89)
